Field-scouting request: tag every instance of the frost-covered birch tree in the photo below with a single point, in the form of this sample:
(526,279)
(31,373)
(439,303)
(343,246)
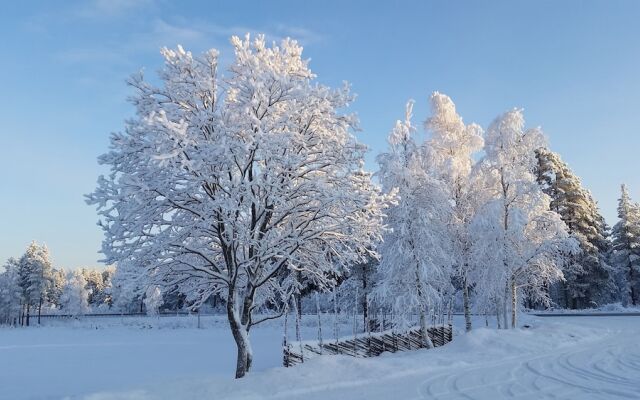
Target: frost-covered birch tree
(415,265)
(227,186)
(451,148)
(517,241)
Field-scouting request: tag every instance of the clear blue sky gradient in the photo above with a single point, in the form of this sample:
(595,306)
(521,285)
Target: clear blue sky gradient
(572,65)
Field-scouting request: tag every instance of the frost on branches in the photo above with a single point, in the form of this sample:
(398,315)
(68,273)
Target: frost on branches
(34,271)
(415,265)
(153,300)
(75,296)
(518,241)
(451,148)
(228,186)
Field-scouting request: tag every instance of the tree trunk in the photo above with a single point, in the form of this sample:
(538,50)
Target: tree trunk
(423,312)
(241,337)
(39,309)
(514,303)
(365,305)
(632,292)
(505,300)
(423,328)
(28,313)
(298,300)
(465,300)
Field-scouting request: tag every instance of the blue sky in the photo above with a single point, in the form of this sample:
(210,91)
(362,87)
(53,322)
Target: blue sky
(572,65)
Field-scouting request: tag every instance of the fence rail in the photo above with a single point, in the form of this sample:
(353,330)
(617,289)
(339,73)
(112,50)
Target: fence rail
(371,345)
(162,314)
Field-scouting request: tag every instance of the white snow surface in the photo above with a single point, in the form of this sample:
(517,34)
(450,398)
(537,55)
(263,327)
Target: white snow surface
(145,359)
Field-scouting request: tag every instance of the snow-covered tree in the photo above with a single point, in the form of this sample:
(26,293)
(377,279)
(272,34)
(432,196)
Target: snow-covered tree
(75,294)
(35,274)
(588,278)
(56,286)
(153,300)
(517,240)
(98,282)
(626,247)
(219,187)
(127,288)
(451,149)
(415,264)
(10,293)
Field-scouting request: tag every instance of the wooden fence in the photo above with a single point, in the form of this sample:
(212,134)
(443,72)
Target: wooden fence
(370,345)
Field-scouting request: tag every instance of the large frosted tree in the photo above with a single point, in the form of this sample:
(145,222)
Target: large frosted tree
(626,247)
(415,265)
(228,186)
(517,240)
(588,278)
(451,149)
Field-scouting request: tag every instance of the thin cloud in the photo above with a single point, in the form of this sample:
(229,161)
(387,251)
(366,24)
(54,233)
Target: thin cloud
(109,8)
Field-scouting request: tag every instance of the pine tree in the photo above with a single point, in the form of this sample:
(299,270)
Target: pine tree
(588,278)
(626,247)
(35,274)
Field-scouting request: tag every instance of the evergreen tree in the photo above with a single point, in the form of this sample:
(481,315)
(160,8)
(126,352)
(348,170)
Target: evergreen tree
(626,247)
(34,269)
(588,278)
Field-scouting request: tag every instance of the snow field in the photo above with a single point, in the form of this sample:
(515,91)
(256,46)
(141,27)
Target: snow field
(563,358)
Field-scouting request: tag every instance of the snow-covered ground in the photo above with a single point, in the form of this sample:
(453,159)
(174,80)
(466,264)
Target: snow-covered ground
(563,358)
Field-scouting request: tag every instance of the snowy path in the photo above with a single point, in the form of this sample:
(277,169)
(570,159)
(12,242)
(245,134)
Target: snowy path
(576,358)
(600,371)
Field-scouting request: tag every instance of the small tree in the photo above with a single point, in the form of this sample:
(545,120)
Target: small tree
(75,294)
(153,300)
(10,293)
(35,275)
(56,286)
(226,188)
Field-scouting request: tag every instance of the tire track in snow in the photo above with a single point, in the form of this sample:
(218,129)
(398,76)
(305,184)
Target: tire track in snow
(599,371)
